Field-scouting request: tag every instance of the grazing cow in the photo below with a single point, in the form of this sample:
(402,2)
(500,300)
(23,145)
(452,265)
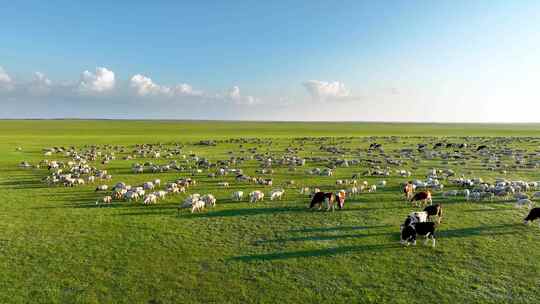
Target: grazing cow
(410,232)
(323,198)
(414,217)
(533,215)
(424,197)
(340,197)
(408,190)
(435,210)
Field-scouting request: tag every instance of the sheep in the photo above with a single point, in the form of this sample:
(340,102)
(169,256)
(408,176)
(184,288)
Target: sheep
(276,194)
(522,202)
(305,191)
(102,188)
(148,186)
(197,206)
(119,194)
(191,198)
(237,195)
(160,194)
(106,200)
(150,199)
(131,195)
(467,194)
(209,200)
(256,196)
(353,191)
(223,184)
(193,201)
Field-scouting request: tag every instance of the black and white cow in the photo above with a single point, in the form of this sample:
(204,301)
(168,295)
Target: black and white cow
(434,210)
(410,232)
(533,215)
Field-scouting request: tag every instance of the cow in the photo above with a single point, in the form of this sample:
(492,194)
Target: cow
(435,210)
(414,217)
(424,197)
(340,196)
(410,232)
(533,215)
(408,190)
(323,198)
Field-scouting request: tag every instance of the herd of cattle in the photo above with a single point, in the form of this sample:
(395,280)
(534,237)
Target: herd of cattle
(322,158)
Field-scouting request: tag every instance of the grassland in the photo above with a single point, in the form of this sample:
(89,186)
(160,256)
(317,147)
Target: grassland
(56,246)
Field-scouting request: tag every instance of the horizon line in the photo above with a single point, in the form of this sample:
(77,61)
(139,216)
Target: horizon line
(268,121)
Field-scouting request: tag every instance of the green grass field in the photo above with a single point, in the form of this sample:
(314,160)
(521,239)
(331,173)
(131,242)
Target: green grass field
(57,246)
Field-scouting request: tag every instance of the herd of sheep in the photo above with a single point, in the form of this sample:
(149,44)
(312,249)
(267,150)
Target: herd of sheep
(310,164)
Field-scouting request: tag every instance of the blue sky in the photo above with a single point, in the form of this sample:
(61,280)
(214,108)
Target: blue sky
(284,60)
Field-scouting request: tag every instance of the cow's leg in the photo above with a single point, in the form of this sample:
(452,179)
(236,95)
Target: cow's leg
(426,238)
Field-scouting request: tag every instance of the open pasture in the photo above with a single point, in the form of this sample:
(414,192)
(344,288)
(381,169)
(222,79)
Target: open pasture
(58,246)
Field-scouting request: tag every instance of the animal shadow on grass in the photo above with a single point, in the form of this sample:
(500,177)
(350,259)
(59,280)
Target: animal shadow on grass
(480,230)
(322,237)
(23,184)
(316,253)
(243,212)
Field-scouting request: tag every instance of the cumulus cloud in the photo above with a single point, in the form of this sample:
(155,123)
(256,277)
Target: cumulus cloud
(323,90)
(144,86)
(102,81)
(6,83)
(234,95)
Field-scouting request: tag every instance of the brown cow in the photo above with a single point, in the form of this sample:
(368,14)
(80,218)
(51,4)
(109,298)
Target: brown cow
(424,197)
(408,190)
(326,198)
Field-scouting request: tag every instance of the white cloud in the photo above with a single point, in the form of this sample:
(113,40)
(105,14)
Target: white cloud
(103,80)
(6,83)
(40,84)
(235,96)
(323,90)
(145,86)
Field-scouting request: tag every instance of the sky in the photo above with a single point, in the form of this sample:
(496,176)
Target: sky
(425,61)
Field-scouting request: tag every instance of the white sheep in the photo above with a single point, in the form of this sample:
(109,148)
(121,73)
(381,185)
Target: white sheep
(209,200)
(150,199)
(277,194)
(237,195)
(223,184)
(256,196)
(522,202)
(102,188)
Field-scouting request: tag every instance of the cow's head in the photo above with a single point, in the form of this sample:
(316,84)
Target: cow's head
(408,234)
